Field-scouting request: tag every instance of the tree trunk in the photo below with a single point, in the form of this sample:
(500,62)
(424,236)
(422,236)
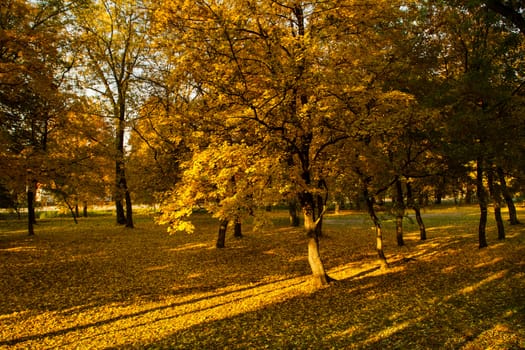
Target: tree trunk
(119,205)
(72,211)
(513,217)
(421,224)
(121,216)
(320,276)
(483,207)
(237,228)
(121,191)
(129,209)
(496,200)
(399,207)
(122,194)
(438,197)
(304,143)
(77,213)
(415,206)
(499,222)
(31,217)
(221,239)
(292,209)
(85,209)
(71,208)
(319,217)
(377,224)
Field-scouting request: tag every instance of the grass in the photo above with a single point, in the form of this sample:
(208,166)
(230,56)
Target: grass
(96,286)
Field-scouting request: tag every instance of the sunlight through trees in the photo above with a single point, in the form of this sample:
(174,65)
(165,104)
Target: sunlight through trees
(235,107)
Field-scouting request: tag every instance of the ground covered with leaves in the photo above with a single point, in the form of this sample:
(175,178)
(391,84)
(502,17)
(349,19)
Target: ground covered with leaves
(96,286)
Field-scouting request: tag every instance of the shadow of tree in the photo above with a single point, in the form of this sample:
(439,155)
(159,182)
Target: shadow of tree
(455,299)
(147,290)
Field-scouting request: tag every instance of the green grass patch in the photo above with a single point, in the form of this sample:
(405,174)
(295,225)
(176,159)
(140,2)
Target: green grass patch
(97,285)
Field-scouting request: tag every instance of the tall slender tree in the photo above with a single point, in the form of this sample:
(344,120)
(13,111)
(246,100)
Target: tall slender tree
(112,46)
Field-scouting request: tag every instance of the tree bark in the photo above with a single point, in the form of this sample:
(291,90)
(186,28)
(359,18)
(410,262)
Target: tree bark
(377,224)
(31,217)
(221,239)
(320,208)
(513,216)
(120,191)
(482,201)
(415,206)
(237,228)
(129,209)
(399,207)
(320,276)
(71,208)
(420,223)
(121,216)
(496,200)
(499,222)
(122,194)
(321,205)
(119,194)
(72,211)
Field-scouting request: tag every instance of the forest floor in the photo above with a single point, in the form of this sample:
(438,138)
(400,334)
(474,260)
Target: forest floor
(99,286)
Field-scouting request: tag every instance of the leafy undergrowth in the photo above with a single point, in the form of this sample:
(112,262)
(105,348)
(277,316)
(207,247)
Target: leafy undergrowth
(95,285)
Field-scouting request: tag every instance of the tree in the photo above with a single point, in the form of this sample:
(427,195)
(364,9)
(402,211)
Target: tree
(273,71)
(370,202)
(513,217)
(415,204)
(476,87)
(161,135)
(112,45)
(495,193)
(230,184)
(79,167)
(32,99)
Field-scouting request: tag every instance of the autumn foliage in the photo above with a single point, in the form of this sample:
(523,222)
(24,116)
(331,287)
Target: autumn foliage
(224,113)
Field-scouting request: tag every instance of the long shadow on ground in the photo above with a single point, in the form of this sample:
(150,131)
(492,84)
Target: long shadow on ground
(429,302)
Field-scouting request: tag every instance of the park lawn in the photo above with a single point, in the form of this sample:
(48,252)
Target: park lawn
(96,285)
